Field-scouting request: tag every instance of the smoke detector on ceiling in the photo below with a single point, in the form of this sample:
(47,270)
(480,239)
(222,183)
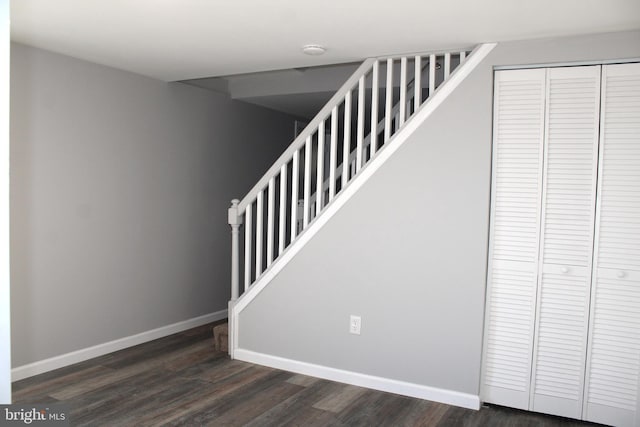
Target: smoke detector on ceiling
(313,49)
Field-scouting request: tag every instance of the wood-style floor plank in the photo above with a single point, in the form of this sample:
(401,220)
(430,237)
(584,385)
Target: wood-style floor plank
(424,413)
(288,411)
(336,402)
(181,380)
(211,397)
(302,380)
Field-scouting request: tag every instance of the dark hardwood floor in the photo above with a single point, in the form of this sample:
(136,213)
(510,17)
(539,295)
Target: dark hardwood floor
(181,380)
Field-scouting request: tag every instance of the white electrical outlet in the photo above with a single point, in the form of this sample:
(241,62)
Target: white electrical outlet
(354,324)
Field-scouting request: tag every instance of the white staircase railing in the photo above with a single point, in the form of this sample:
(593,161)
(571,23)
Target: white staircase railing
(395,114)
(357,122)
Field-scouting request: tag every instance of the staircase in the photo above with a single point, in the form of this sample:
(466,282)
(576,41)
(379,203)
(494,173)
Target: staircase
(349,139)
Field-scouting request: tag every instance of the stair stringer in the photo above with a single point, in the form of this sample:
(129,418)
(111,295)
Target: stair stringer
(425,111)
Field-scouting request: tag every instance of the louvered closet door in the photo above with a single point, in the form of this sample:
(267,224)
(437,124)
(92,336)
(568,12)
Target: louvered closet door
(611,392)
(515,222)
(566,247)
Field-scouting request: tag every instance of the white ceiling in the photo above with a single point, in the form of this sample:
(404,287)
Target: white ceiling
(186,39)
(300,92)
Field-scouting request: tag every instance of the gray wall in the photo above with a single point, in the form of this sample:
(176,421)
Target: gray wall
(408,252)
(119,196)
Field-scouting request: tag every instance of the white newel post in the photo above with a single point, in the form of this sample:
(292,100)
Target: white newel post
(234,221)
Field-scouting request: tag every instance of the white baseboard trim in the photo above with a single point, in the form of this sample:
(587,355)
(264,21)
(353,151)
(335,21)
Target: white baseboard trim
(449,397)
(81,355)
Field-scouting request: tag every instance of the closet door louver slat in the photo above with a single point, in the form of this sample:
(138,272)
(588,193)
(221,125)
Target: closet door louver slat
(568,206)
(613,365)
(517,159)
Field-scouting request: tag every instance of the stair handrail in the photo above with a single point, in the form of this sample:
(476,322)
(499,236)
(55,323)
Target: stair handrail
(325,112)
(367,140)
(308,131)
